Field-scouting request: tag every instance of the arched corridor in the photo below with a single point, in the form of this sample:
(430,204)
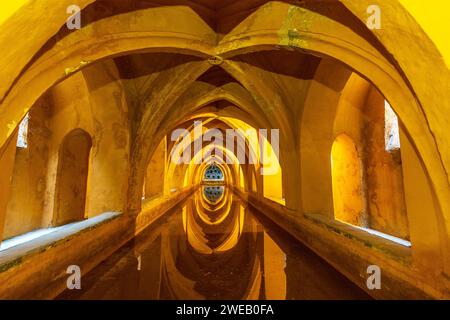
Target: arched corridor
(224,150)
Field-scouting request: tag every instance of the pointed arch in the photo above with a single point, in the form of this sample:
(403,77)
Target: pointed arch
(72,177)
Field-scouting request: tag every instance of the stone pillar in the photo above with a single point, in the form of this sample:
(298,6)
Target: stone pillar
(156,171)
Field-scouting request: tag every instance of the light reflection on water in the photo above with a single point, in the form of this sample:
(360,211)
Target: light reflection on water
(213,193)
(213,246)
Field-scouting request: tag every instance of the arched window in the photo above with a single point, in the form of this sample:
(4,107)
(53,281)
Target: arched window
(72,177)
(346,169)
(213,172)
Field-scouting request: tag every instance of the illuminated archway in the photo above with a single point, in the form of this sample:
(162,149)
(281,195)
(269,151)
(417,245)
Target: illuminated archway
(348,196)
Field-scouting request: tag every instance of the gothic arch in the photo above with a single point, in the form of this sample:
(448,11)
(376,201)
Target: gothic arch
(72,177)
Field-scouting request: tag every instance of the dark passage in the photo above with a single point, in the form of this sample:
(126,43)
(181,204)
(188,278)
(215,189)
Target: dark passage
(214,246)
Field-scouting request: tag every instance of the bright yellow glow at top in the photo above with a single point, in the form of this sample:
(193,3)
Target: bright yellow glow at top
(431,15)
(433,18)
(8,7)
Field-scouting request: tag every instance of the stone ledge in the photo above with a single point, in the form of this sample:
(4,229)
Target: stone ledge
(17,254)
(349,254)
(394,250)
(37,269)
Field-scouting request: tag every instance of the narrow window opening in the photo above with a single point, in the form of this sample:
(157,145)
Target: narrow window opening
(22,139)
(391,128)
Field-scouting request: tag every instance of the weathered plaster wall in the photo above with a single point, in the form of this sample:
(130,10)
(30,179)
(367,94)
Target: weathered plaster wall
(27,198)
(154,182)
(32,202)
(95,106)
(361,116)
(110,161)
(348,191)
(316,137)
(425,230)
(383,173)
(72,178)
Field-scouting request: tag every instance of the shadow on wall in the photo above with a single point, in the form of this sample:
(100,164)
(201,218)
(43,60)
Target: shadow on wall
(347,182)
(71,185)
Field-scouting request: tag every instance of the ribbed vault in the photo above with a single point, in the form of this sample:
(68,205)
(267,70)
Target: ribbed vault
(142,69)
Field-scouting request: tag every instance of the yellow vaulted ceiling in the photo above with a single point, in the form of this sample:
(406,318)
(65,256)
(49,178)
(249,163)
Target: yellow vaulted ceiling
(433,17)
(7,8)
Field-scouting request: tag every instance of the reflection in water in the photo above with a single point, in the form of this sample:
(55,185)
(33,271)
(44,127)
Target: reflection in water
(213,193)
(216,249)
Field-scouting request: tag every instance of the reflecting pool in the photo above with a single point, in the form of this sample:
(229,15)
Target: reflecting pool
(214,246)
(213,193)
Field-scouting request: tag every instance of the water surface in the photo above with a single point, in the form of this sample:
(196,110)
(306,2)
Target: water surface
(214,246)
